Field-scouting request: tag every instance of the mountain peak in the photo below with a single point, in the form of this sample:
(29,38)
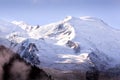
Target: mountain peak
(68,18)
(94,19)
(75,41)
(18,22)
(90,18)
(85,17)
(22,25)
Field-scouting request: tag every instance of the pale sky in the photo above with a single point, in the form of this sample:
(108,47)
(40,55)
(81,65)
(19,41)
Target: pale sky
(48,11)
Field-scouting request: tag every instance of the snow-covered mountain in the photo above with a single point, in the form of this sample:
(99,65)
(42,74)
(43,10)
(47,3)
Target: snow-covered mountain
(70,44)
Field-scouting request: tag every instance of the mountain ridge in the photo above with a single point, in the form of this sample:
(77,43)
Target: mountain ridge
(72,43)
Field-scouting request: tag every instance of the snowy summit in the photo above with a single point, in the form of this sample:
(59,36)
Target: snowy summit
(70,44)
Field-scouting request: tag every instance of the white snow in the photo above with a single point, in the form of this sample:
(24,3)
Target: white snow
(91,34)
(71,58)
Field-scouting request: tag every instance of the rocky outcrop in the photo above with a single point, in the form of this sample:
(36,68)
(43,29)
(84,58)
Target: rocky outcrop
(13,67)
(74,45)
(29,52)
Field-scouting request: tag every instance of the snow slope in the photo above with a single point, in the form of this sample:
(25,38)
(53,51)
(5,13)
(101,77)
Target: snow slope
(72,43)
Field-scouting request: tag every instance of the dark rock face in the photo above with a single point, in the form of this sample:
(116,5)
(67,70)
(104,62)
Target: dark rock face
(93,74)
(99,61)
(29,52)
(13,67)
(74,45)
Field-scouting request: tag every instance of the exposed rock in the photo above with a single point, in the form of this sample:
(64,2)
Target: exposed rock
(13,67)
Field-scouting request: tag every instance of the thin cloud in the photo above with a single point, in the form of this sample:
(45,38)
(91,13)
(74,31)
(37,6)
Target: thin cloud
(35,1)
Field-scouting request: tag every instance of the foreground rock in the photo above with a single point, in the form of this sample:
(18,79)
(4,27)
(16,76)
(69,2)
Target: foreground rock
(13,67)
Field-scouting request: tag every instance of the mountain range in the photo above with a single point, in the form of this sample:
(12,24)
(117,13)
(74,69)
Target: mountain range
(69,44)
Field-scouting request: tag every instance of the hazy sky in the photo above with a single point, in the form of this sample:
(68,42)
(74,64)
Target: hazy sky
(47,11)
